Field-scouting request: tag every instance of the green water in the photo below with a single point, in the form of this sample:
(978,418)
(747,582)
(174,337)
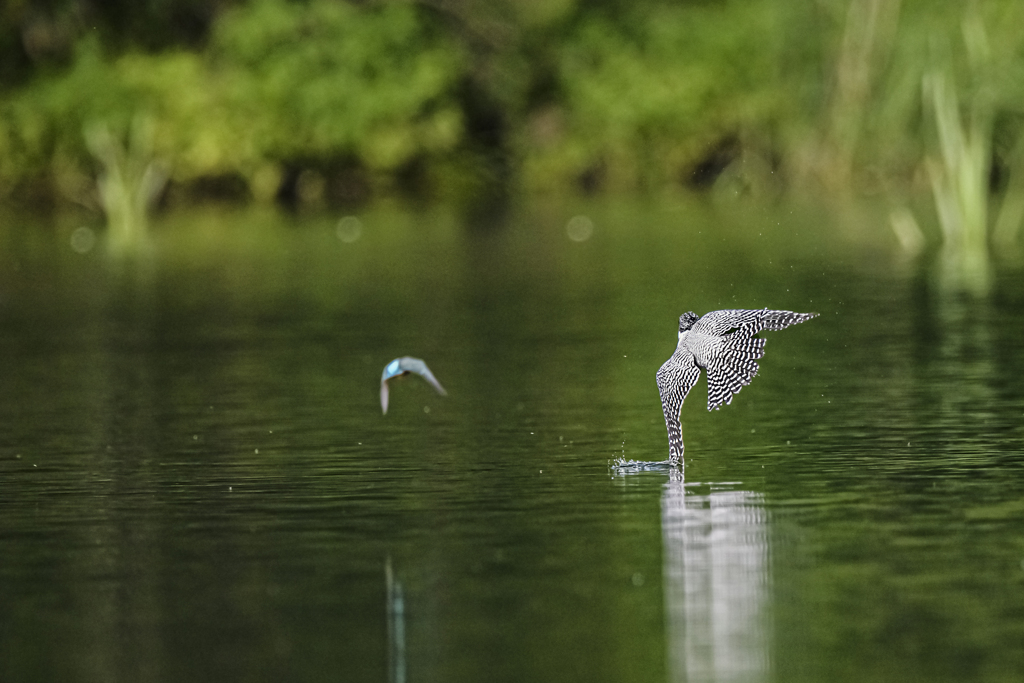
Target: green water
(196,481)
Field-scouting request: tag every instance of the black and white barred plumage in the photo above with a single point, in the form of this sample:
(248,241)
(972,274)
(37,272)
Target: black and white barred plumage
(724,345)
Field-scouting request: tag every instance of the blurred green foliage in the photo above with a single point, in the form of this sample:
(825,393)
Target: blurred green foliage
(331,99)
(276,84)
(643,101)
(327,80)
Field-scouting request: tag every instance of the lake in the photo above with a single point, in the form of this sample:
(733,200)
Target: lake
(197,482)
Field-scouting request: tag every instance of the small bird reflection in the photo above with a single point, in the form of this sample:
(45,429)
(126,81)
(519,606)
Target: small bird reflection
(396,625)
(717,584)
(404,366)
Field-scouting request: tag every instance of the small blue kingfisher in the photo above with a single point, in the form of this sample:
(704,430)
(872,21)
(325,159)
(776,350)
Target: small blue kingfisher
(404,366)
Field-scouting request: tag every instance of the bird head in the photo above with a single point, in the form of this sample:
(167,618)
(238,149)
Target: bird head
(686,321)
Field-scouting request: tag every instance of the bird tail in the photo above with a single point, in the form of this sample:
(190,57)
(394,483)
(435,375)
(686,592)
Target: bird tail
(734,367)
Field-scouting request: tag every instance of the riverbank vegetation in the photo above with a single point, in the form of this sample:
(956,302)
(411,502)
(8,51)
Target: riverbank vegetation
(336,102)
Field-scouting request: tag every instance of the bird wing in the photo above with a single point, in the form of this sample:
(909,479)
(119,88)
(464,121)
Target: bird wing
(780,320)
(717,323)
(750,321)
(384,396)
(732,366)
(420,368)
(731,359)
(675,379)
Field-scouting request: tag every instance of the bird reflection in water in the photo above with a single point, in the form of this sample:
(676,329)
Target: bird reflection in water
(396,625)
(717,582)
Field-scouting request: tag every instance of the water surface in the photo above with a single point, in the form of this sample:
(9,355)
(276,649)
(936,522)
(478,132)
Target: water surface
(197,483)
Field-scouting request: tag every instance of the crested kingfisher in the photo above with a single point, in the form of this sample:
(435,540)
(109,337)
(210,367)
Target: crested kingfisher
(404,366)
(724,345)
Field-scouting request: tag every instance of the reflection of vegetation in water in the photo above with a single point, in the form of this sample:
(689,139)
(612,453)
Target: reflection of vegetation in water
(129,180)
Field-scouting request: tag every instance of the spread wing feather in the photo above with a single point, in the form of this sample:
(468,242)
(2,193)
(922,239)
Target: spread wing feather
(731,360)
(717,323)
(420,368)
(733,368)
